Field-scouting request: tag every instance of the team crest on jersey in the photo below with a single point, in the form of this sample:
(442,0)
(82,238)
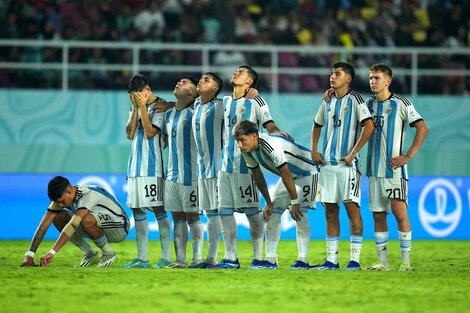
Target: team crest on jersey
(242,110)
(346,109)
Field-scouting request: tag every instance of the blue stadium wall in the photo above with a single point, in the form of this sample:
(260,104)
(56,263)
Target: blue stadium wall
(81,135)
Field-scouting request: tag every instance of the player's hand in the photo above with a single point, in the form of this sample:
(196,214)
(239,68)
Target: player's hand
(251,93)
(140,99)
(328,94)
(267,212)
(162,106)
(131,97)
(317,158)
(295,213)
(46,259)
(286,135)
(349,159)
(28,261)
(399,161)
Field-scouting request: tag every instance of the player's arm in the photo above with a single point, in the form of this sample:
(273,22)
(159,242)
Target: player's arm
(422,131)
(263,188)
(367,130)
(43,226)
(288,181)
(316,156)
(131,124)
(273,129)
(67,232)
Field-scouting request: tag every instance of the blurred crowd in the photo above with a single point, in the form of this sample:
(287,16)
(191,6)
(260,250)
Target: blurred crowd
(344,23)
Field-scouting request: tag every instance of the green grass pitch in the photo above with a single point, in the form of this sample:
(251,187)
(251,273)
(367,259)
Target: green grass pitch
(440,282)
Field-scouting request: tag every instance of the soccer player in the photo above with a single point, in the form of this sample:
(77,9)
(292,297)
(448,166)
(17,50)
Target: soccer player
(78,212)
(145,170)
(181,183)
(387,163)
(295,190)
(207,127)
(348,125)
(236,188)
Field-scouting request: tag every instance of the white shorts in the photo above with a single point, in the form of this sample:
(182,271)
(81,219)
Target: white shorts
(144,192)
(382,190)
(181,198)
(306,192)
(114,224)
(237,191)
(340,183)
(207,192)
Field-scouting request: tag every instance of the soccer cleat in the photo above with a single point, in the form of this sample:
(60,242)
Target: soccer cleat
(405,267)
(178,265)
(136,263)
(377,267)
(262,265)
(299,265)
(254,264)
(352,266)
(326,266)
(87,259)
(162,263)
(226,264)
(107,259)
(203,264)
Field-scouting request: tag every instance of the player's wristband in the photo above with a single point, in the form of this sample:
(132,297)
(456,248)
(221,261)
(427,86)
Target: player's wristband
(30,254)
(294,201)
(52,251)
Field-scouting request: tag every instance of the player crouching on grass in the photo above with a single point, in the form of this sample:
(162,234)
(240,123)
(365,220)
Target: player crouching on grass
(295,190)
(89,211)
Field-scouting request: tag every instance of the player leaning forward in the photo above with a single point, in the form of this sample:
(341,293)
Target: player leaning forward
(78,212)
(295,190)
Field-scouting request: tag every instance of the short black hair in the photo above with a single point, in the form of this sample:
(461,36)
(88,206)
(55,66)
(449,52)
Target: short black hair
(243,128)
(219,81)
(137,83)
(56,187)
(252,74)
(348,68)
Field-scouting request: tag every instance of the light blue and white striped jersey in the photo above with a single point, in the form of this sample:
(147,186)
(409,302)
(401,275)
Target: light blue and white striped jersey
(341,119)
(390,118)
(208,120)
(255,110)
(145,159)
(181,145)
(275,150)
(90,197)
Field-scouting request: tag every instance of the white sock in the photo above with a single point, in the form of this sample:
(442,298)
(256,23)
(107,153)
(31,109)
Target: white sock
(381,243)
(141,234)
(332,244)
(214,229)
(229,231)
(197,240)
(405,245)
(80,242)
(355,247)
(273,235)
(181,239)
(103,244)
(303,237)
(257,234)
(165,239)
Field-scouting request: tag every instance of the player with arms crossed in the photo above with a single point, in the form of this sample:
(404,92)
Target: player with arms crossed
(236,188)
(145,170)
(181,183)
(387,163)
(347,127)
(295,190)
(79,211)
